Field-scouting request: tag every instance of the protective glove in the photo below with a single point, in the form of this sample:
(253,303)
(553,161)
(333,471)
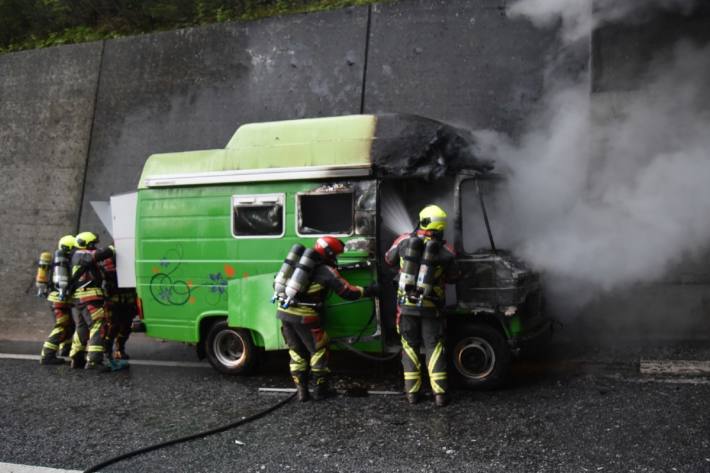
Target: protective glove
(373,290)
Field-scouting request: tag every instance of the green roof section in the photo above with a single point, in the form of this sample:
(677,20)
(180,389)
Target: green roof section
(331,141)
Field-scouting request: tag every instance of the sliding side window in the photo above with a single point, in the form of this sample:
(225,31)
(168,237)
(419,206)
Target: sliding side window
(258,216)
(325,212)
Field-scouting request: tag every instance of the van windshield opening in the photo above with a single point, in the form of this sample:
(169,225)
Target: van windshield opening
(325,213)
(498,207)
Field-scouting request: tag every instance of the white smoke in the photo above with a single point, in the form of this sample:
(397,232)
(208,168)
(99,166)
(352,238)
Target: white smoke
(611,189)
(579,17)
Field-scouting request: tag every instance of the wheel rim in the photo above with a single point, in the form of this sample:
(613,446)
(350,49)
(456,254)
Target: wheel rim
(229,348)
(474,358)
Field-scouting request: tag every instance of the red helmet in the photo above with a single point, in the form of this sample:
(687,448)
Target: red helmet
(329,247)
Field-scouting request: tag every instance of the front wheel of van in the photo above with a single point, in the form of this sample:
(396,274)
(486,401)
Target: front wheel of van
(480,357)
(230,350)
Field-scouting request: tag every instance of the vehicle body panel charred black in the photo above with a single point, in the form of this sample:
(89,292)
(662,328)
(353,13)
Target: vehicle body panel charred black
(415,147)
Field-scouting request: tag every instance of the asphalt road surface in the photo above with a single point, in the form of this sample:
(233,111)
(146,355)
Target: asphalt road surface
(563,413)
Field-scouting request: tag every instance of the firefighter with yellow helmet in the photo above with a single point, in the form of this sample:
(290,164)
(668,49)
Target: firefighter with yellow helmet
(89,314)
(426,264)
(60,303)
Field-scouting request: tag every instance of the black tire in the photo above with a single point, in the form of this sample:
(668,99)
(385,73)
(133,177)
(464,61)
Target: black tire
(480,357)
(230,350)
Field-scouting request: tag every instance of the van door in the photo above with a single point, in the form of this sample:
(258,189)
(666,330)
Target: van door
(345,210)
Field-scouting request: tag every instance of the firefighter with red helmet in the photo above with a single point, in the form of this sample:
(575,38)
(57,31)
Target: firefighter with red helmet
(59,338)
(426,264)
(301,315)
(89,314)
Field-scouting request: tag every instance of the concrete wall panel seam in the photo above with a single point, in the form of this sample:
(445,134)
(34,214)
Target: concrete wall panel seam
(91,135)
(367,54)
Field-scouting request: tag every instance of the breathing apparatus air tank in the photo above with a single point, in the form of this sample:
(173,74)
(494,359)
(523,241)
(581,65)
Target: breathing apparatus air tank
(60,275)
(42,278)
(412,256)
(301,277)
(425,278)
(286,271)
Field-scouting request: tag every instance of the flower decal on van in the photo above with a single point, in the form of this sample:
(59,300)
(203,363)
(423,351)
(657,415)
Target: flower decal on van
(219,283)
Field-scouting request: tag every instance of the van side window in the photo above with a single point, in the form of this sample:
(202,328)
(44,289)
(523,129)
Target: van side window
(259,215)
(325,213)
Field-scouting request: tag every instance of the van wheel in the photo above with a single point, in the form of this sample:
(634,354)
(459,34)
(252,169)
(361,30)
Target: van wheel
(230,350)
(480,357)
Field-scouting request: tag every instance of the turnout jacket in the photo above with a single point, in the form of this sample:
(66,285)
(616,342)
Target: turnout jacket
(324,278)
(86,273)
(446,271)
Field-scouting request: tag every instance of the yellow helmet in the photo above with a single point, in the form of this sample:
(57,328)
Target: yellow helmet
(86,240)
(66,243)
(433,218)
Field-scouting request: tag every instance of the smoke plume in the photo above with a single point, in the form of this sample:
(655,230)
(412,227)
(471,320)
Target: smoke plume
(579,17)
(610,189)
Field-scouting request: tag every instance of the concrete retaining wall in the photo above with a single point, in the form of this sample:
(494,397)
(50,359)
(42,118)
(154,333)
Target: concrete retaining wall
(46,111)
(77,122)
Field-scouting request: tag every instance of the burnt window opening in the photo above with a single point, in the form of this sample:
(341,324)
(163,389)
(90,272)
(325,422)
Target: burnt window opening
(258,215)
(325,213)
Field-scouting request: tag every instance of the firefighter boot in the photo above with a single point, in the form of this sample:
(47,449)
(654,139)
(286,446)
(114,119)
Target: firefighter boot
(79,361)
(441,399)
(302,393)
(413,398)
(50,359)
(97,366)
(65,349)
(301,382)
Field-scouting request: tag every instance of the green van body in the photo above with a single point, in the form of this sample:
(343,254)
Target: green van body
(189,267)
(195,270)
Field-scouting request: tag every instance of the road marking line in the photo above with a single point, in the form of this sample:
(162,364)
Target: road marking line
(340,391)
(170,364)
(14,468)
(668,380)
(675,367)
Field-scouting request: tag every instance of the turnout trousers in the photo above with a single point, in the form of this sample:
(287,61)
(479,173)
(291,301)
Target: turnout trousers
(90,320)
(416,330)
(61,334)
(308,349)
(119,326)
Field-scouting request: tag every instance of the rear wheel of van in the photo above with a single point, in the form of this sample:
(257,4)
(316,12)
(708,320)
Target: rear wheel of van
(480,357)
(230,350)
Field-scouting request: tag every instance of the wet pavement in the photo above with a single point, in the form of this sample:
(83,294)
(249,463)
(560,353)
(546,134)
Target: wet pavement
(570,409)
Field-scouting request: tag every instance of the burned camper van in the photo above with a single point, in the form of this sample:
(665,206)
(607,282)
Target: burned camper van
(211,229)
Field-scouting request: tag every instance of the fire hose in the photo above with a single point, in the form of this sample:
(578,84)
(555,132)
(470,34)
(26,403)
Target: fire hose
(190,437)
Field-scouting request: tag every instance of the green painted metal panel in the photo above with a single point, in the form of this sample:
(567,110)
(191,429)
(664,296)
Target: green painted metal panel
(249,308)
(188,263)
(332,141)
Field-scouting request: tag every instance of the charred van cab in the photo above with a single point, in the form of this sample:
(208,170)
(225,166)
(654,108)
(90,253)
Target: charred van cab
(206,232)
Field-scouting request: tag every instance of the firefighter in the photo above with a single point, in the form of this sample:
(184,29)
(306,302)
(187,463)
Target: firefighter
(88,312)
(426,264)
(121,307)
(301,319)
(60,337)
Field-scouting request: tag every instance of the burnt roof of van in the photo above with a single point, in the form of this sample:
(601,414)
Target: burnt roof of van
(413,146)
(387,146)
